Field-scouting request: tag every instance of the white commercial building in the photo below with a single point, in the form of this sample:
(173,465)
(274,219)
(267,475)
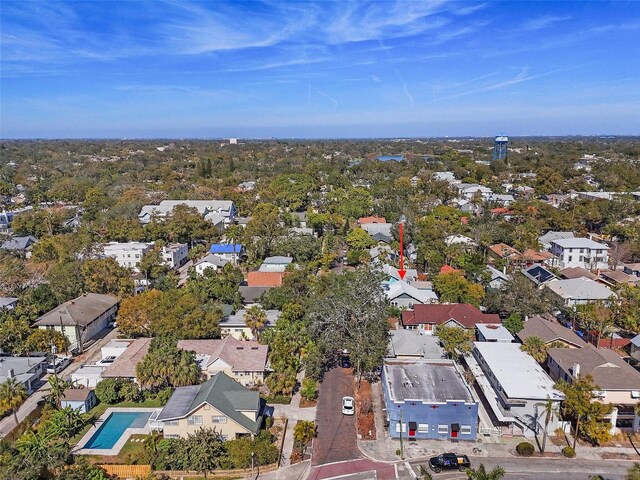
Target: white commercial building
(127,255)
(580,252)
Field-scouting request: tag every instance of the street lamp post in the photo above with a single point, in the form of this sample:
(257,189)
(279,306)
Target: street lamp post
(252,456)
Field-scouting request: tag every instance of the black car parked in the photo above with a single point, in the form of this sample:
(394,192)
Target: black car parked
(449,461)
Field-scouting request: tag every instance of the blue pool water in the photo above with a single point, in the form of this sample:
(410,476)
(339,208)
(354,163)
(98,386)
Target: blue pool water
(386,158)
(114,426)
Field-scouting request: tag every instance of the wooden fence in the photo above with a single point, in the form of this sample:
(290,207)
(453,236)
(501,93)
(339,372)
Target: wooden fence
(127,471)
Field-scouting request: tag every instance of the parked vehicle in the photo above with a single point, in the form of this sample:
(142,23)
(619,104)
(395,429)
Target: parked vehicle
(348,405)
(59,364)
(449,461)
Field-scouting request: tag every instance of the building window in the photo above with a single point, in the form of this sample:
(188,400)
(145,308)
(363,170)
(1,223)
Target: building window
(423,428)
(218,419)
(404,427)
(570,258)
(443,429)
(170,423)
(194,420)
(465,430)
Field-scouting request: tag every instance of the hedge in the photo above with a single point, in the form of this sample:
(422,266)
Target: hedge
(525,449)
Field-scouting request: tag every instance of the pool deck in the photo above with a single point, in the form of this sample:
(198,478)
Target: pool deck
(123,438)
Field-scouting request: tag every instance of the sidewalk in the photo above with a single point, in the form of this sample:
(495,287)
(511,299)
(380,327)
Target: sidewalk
(384,448)
(299,471)
(294,413)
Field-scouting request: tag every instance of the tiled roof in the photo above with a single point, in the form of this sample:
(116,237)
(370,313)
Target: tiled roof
(265,279)
(242,356)
(503,250)
(463,313)
(374,219)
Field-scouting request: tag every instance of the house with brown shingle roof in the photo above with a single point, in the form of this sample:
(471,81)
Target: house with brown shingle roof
(618,382)
(243,361)
(124,366)
(265,279)
(373,219)
(502,250)
(427,318)
(550,331)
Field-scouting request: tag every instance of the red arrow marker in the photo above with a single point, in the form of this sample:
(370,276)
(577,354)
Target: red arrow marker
(402,272)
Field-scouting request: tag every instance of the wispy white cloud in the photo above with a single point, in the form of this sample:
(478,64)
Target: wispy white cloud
(323,94)
(543,22)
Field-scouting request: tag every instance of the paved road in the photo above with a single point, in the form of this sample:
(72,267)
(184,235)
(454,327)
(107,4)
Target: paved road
(90,356)
(336,440)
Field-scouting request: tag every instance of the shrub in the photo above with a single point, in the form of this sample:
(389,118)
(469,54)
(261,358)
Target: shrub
(268,422)
(108,390)
(164,395)
(398,452)
(525,449)
(130,392)
(568,452)
(278,399)
(309,389)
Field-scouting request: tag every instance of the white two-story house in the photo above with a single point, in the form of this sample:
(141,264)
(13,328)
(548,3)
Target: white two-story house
(127,255)
(580,252)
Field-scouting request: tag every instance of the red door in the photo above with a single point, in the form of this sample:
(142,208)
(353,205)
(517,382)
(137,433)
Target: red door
(454,434)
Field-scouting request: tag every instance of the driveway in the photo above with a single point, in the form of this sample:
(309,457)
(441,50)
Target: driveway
(336,440)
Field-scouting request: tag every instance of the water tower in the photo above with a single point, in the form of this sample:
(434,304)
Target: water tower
(500,147)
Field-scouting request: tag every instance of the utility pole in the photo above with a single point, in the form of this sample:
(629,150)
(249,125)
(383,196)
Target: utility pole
(401,425)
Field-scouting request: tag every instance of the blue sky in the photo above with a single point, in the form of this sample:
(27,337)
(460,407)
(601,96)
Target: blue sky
(318,69)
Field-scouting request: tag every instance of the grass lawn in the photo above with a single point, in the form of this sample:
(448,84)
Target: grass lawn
(131,452)
(99,409)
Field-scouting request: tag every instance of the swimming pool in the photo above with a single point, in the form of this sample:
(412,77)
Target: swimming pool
(114,426)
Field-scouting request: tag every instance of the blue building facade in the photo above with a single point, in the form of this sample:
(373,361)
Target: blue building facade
(430,400)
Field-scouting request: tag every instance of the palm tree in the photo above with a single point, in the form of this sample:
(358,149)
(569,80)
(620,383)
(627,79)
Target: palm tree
(480,473)
(304,432)
(12,395)
(66,422)
(550,409)
(57,387)
(151,446)
(255,318)
(535,347)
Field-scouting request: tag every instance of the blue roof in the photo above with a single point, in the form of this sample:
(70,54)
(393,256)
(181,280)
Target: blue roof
(226,248)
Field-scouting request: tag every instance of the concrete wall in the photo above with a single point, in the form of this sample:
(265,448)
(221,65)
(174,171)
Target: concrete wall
(229,429)
(431,418)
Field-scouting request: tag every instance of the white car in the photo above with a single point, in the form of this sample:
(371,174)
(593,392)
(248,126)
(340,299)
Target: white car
(59,365)
(348,406)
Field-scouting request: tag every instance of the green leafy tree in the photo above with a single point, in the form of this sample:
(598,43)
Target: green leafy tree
(65,423)
(455,340)
(264,451)
(205,450)
(536,347)
(12,395)
(513,323)
(152,265)
(57,387)
(596,317)
(256,319)
(628,312)
(309,389)
(304,432)
(348,311)
(522,297)
(107,277)
(354,203)
(359,239)
(454,288)
(41,340)
(262,231)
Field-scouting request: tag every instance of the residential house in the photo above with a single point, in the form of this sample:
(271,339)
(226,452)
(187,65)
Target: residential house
(578,272)
(551,332)
(538,274)
(426,318)
(498,279)
(469,190)
(246,186)
(275,264)
(24,370)
(82,319)
(380,232)
(115,348)
(8,303)
(299,219)
(19,245)
(546,239)
(532,257)
(578,291)
(408,344)
(515,387)
(175,255)
(444,176)
(403,295)
(251,295)
(504,200)
(124,366)
(80,399)
(556,199)
(617,278)
(219,212)
(618,382)
(373,219)
(634,347)
(128,255)
(632,269)
(220,403)
(212,261)
(505,252)
(428,400)
(235,325)
(391,274)
(243,361)
(580,252)
(457,239)
(228,251)
(88,376)
(381,254)
(265,279)
(493,333)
